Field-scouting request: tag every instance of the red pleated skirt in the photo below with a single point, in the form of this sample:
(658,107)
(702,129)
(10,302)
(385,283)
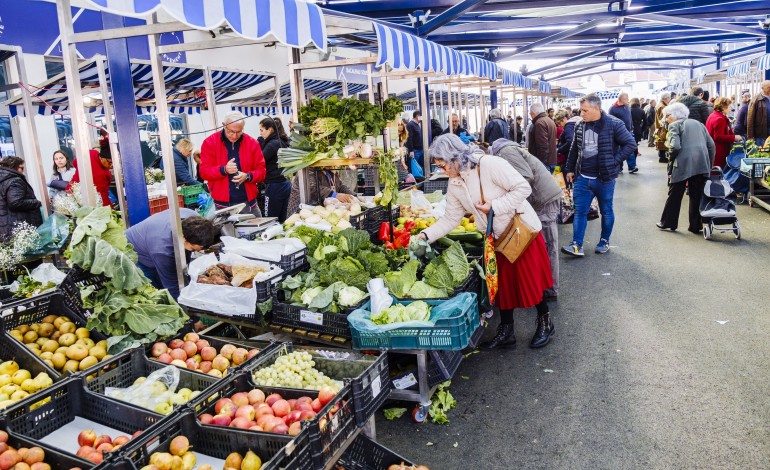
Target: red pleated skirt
(521,284)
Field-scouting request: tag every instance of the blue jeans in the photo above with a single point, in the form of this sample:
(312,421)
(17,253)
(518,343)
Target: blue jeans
(583,194)
(631,161)
(277,200)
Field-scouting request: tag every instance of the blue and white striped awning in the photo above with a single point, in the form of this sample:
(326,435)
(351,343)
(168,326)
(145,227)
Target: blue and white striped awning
(404,51)
(257,104)
(184,86)
(292,22)
(567,93)
(543,86)
(262,110)
(739,69)
(410,97)
(608,95)
(763,63)
(511,78)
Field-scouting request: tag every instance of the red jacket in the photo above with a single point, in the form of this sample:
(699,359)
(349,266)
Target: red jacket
(214,159)
(101,177)
(719,129)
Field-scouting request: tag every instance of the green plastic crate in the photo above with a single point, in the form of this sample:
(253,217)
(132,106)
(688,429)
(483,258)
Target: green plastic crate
(190,193)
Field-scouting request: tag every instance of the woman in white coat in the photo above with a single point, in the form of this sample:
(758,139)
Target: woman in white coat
(523,283)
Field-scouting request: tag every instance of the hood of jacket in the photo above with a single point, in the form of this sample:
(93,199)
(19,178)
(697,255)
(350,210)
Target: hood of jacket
(7,174)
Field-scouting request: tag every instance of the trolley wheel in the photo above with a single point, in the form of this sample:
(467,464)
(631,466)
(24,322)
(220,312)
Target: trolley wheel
(420,414)
(751,203)
(707,229)
(737,230)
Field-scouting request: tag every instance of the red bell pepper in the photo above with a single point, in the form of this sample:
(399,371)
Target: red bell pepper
(384,235)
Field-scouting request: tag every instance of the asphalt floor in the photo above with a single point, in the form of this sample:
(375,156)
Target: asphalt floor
(661,357)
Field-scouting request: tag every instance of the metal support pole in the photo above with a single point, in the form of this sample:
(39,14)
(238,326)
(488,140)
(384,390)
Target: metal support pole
(278,105)
(477,115)
(719,66)
(767,51)
(449,90)
(483,124)
(296,88)
(127,123)
(370,82)
(164,128)
(77,111)
(526,111)
(422,92)
(36,163)
(515,134)
(467,115)
(211,100)
(117,163)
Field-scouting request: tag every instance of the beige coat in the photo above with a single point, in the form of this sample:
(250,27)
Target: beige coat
(503,186)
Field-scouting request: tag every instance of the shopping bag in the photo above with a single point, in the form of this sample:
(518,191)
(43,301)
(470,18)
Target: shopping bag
(416,169)
(490,261)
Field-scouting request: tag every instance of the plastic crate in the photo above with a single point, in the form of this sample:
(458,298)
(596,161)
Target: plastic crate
(370,389)
(441,184)
(49,410)
(190,193)
(371,219)
(370,189)
(447,334)
(758,166)
(366,454)
(325,323)
(33,310)
(288,262)
(56,458)
(76,279)
(121,372)
(212,441)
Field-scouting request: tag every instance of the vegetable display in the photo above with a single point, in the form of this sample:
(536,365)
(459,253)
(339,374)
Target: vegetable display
(415,311)
(127,308)
(440,276)
(338,218)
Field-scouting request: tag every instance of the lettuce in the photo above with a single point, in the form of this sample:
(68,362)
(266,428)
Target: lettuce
(457,262)
(352,240)
(349,296)
(309,295)
(399,282)
(348,270)
(423,290)
(399,313)
(438,274)
(376,264)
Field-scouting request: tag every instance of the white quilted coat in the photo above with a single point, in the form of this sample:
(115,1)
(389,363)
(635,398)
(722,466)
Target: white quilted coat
(503,186)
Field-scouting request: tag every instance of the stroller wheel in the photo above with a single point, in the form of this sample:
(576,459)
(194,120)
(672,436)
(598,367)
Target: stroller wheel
(707,229)
(737,228)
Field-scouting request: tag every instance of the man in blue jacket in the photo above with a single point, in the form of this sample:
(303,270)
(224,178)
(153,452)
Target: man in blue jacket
(622,111)
(595,159)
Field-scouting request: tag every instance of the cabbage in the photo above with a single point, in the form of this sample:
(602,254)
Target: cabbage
(350,296)
(310,294)
(399,313)
(305,213)
(423,290)
(399,282)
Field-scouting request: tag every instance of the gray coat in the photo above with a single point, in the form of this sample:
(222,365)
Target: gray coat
(695,148)
(544,188)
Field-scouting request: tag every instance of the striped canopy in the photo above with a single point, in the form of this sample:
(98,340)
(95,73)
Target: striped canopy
(511,78)
(184,87)
(265,101)
(763,63)
(404,51)
(292,22)
(543,86)
(739,69)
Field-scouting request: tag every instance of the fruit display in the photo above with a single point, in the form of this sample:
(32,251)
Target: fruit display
(32,458)
(194,353)
(332,218)
(93,447)
(17,384)
(154,395)
(61,344)
(295,370)
(181,457)
(272,413)
(418,224)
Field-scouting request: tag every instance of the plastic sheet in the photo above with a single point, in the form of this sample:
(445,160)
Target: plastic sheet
(159,387)
(270,250)
(54,234)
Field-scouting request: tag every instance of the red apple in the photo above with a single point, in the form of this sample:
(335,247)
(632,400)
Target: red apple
(175,343)
(192,364)
(120,440)
(220,403)
(316,404)
(136,434)
(273,398)
(208,353)
(104,447)
(192,337)
(281,429)
(245,411)
(202,343)
(256,428)
(206,418)
(295,428)
(84,450)
(190,348)
(239,356)
(87,438)
(220,363)
(292,403)
(165,358)
(240,398)
(252,353)
(281,408)
(293,416)
(205,367)
(256,396)
(228,409)
(307,415)
(101,440)
(178,354)
(263,420)
(158,349)
(304,399)
(304,406)
(240,422)
(227,351)
(221,420)
(326,395)
(262,409)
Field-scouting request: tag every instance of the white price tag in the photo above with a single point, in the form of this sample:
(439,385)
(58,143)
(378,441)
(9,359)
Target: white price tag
(376,386)
(315,318)
(405,382)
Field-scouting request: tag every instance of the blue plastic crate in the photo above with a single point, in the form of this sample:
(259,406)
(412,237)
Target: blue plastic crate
(449,334)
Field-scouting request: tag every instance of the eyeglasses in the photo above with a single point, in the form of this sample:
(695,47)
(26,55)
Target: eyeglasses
(234,133)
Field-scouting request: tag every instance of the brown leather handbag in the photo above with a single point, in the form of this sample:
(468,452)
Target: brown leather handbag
(517,236)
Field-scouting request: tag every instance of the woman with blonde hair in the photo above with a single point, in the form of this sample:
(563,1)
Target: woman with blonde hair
(182,151)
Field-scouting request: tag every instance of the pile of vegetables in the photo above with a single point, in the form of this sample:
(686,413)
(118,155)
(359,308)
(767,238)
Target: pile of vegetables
(440,277)
(337,218)
(397,313)
(128,309)
(29,287)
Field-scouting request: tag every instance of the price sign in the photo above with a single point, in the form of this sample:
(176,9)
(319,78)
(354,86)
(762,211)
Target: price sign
(315,318)
(405,382)
(376,386)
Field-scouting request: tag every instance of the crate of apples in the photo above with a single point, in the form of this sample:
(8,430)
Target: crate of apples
(61,344)
(93,447)
(199,354)
(23,458)
(272,413)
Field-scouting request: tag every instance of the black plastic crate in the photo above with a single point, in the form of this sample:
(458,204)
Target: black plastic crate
(287,262)
(122,371)
(56,458)
(371,219)
(25,358)
(216,442)
(77,278)
(33,310)
(366,454)
(441,184)
(325,323)
(370,389)
(49,410)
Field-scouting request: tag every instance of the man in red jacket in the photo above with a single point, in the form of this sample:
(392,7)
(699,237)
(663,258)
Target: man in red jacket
(232,163)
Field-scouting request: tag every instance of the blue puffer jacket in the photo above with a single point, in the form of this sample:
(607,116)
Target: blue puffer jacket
(616,144)
(624,114)
(182,171)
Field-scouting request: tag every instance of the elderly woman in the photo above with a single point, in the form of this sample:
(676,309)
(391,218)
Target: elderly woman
(477,184)
(718,127)
(660,127)
(182,151)
(691,155)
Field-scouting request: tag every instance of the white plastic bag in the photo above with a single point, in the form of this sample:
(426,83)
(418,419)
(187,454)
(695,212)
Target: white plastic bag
(379,295)
(157,388)
(419,201)
(270,250)
(225,300)
(46,273)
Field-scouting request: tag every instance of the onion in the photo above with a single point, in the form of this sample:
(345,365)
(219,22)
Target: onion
(366,151)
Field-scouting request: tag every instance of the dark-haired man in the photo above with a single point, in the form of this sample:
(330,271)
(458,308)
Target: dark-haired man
(153,241)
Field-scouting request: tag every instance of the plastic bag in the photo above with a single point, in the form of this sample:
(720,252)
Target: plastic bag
(270,250)
(206,208)
(223,299)
(159,387)
(379,294)
(420,202)
(461,304)
(54,234)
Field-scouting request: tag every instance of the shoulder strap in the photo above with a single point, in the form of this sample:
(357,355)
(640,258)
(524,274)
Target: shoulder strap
(478,170)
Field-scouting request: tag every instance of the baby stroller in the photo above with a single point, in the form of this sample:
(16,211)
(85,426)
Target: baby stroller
(717,206)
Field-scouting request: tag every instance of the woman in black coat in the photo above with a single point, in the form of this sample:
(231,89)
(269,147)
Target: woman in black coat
(638,118)
(272,138)
(17,199)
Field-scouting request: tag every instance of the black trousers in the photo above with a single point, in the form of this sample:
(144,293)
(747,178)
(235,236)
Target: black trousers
(670,216)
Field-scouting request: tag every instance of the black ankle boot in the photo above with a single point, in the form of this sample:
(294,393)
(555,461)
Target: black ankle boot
(545,330)
(503,339)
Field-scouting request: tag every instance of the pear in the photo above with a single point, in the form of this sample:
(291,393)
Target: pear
(9,367)
(251,461)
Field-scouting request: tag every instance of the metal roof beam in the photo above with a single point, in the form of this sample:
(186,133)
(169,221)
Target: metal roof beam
(448,15)
(572,73)
(584,55)
(673,50)
(559,36)
(711,25)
